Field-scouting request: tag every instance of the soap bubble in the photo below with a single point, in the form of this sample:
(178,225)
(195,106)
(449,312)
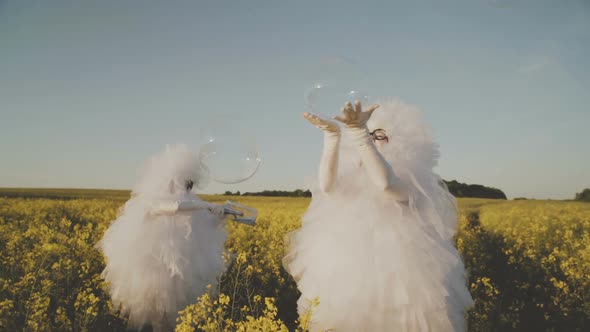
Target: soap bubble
(229,151)
(334,81)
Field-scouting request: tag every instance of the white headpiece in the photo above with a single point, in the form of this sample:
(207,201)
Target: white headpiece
(169,171)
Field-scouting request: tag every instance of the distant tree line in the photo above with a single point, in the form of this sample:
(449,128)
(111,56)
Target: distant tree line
(583,196)
(273,193)
(457,189)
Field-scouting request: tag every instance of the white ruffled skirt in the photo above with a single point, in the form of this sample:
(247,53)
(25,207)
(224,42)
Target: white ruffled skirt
(374,267)
(157,266)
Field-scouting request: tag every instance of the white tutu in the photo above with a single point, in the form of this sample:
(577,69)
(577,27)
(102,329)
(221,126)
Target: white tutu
(158,264)
(376,264)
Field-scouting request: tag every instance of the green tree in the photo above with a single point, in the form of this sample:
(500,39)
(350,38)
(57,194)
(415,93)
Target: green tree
(583,196)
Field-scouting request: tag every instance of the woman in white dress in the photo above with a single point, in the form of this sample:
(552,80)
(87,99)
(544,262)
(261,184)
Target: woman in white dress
(375,246)
(166,245)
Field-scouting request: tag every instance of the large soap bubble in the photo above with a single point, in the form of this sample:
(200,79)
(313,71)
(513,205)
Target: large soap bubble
(228,151)
(334,81)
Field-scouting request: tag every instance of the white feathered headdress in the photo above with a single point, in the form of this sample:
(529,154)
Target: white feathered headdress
(169,171)
(410,139)
(413,154)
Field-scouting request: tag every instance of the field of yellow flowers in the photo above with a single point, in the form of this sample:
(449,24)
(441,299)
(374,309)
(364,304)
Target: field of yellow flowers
(529,264)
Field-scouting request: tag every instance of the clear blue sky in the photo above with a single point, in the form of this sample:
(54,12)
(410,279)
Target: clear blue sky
(89,90)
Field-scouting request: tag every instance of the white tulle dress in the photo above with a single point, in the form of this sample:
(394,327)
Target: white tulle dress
(166,246)
(373,262)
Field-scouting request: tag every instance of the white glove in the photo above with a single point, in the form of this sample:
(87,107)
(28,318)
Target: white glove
(329,162)
(192,205)
(217,210)
(379,170)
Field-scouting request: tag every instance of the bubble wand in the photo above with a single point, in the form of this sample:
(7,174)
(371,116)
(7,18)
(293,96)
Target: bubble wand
(240,213)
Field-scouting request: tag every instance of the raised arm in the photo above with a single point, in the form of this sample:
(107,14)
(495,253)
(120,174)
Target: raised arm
(379,170)
(329,163)
(173,207)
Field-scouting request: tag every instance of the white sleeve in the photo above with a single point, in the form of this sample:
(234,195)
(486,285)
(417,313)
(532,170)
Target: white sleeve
(379,170)
(194,205)
(173,207)
(329,163)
